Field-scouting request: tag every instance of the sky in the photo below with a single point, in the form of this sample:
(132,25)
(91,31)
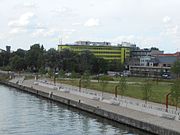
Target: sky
(147,23)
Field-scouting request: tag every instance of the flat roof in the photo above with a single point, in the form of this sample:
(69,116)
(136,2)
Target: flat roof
(95,45)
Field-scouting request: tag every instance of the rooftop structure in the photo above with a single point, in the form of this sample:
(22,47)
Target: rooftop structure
(93,43)
(177,54)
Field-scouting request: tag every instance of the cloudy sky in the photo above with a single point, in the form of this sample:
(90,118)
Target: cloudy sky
(144,22)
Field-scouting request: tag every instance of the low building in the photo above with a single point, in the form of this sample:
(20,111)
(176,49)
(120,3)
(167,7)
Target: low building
(148,71)
(155,66)
(105,51)
(167,60)
(144,61)
(1,50)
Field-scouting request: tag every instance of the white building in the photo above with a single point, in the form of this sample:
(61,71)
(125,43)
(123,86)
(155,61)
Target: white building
(144,61)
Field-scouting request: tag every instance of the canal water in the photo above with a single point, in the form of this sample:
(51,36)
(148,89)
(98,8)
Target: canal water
(25,114)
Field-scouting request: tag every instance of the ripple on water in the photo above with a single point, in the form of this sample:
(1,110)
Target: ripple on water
(25,114)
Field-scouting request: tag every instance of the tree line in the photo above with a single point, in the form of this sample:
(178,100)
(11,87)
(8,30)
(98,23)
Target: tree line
(37,59)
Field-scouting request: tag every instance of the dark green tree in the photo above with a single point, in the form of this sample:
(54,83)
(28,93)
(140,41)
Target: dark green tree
(17,63)
(100,65)
(116,65)
(52,58)
(34,57)
(85,60)
(68,61)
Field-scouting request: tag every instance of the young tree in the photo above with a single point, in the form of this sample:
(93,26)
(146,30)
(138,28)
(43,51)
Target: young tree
(147,90)
(86,79)
(103,83)
(175,92)
(61,73)
(122,85)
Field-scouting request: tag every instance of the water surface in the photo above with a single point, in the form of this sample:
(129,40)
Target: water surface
(25,114)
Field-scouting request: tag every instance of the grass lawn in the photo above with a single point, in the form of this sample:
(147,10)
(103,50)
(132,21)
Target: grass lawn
(134,90)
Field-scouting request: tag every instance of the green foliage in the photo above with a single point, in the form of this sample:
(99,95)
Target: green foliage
(61,73)
(107,78)
(86,79)
(17,63)
(175,92)
(103,82)
(122,85)
(176,68)
(34,57)
(146,89)
(116,65)
(100,65)
(74,75)
(50,73)
(4,59)
(37,59)
(42,70)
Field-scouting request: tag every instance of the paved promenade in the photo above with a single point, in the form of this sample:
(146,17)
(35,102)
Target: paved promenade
(63,90)
(131,103)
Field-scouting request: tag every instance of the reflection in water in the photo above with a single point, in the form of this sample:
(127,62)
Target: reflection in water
(25,114)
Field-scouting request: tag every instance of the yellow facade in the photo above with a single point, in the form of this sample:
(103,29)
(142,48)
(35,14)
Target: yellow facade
(106,52)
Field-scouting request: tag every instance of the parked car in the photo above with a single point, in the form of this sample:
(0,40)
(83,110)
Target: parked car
(166,76)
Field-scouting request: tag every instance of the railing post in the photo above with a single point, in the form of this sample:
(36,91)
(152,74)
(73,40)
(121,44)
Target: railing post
(80,85)
(167,98)
(116,91)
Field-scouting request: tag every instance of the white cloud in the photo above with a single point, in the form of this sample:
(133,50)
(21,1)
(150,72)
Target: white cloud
(27,22)
(23,21)
(53,32)
(115,17)
(45,32)
(92,22)
(171,31)
(166,19)
(16,30)
(141,41)
(76,24)
(30,5)
(64,12)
